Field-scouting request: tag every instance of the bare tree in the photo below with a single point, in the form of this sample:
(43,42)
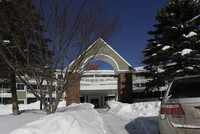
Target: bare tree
(68,29)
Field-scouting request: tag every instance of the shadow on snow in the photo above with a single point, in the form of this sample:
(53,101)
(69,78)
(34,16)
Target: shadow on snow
(143,125)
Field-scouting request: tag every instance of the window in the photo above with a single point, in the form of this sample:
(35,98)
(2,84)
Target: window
(185,88)
(34,86)
(20,86)
(20,101)
(31,100)
(88,76)
(92,80)
(101,80)
(60,76)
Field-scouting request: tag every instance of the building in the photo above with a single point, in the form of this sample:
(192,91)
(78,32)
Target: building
(95,86)
(98,86)
(23,93)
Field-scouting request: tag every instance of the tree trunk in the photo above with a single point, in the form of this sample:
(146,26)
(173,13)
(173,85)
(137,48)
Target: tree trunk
(158,92)
(15,107)
(42,99)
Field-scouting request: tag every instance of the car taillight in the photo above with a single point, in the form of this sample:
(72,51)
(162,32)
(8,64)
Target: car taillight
(173,108)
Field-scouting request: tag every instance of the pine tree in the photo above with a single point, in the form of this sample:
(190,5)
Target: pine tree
(20,32)
(175,47)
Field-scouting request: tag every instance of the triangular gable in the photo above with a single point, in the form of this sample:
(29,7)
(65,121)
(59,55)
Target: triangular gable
(108,54)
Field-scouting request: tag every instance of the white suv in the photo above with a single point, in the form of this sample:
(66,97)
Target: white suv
(180,107)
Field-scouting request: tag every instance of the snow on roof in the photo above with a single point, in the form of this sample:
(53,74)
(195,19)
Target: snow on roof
(190,34)
(186,51)
(165,48)
(140,69)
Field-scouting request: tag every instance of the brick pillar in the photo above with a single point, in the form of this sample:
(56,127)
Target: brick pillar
(73,91)
(125,91)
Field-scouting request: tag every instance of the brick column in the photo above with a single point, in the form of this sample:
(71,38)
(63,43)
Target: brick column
(73,91)
(125,93)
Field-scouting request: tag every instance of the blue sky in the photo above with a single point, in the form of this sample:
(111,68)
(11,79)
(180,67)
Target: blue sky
(137,18)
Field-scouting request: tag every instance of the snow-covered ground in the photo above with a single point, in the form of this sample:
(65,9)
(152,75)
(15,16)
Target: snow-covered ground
(74,119)
(82,118)
(142,117)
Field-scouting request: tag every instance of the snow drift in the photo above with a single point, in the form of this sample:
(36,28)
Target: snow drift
(143,116)
(132,111)
(74,119)
(140,118)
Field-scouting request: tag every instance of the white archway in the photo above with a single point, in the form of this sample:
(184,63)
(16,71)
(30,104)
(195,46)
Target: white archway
(102,57)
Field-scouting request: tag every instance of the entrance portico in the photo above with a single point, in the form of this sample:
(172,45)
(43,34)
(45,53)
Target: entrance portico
(97,89)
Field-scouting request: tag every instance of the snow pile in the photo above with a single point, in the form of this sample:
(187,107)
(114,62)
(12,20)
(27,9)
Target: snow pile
(74,119)
(138,118)
(7,109)
(135,110)
(143,116)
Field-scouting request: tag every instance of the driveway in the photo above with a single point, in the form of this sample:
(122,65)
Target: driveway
(113,123)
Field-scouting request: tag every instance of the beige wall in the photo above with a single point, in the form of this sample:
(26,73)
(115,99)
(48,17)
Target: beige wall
(21,94)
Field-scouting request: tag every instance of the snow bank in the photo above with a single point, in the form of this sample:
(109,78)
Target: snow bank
(143,116)
(74,119)
(135,110)
(7,109)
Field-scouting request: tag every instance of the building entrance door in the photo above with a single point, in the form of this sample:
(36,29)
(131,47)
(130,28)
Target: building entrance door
(95,102)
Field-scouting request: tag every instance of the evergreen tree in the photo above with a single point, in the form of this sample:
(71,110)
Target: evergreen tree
(174,50)
(20,32)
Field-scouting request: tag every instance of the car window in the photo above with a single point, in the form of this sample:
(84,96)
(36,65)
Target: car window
(185,88)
